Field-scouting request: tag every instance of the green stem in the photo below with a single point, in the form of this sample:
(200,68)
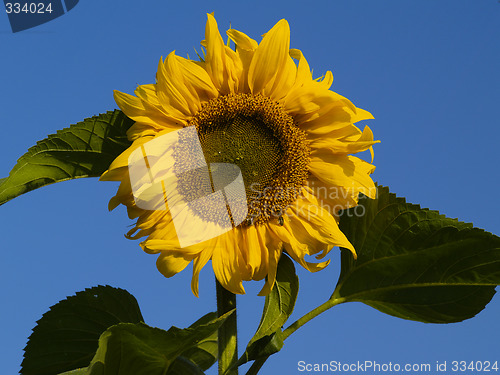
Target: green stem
(312,314)
(256,365)
(227,338)
(254,369)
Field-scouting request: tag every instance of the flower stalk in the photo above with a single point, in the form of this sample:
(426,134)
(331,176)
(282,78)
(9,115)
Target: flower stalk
(227,335)
(333,301)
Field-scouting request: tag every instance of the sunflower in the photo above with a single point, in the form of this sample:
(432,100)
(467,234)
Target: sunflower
(258,107)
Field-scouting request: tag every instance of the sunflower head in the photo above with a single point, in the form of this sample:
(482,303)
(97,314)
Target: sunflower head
(283,140)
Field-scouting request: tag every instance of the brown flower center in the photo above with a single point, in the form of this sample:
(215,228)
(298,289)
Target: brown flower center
(256,134)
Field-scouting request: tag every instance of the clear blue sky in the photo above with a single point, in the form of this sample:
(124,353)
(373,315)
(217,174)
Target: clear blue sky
(428,71)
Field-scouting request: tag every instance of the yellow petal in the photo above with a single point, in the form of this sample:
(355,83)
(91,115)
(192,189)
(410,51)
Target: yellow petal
(284,81)
(225,265)
(360,143)
(200,262)
(242,40)
(169,264)
(255,253)
(147,93)
(215,56)
(197,81)
(298,254)
(310,266)
(296,249)
(133,211)
(234,70)
(270,58)
(288,238)
(361,114)
(123,195)
(346,171)
(335,117)
(272,269)
(326,81)
(310,102)
(245,48)
(246,249)
(319,222)
(155,224)
(143,112)
(304,74)
(244,254)
(221,63)
(334,198)
(139,130)
(170,90)
(258,247)
(121,162)
(308,236)
(338,132)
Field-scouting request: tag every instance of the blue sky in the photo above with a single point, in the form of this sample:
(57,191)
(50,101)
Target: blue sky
(428,71)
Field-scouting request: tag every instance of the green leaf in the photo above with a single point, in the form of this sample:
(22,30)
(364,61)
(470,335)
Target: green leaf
(66,337)
(281,301)
(183,366)
(263,347)
(203,354)
(80,371)
(416,264)
(85,149)
(137,349)
(278,307)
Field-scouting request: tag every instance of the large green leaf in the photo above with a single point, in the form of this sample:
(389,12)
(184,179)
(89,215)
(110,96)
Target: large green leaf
(278,307)
(203,354)
(80,371)
(183,366)
(67,335)
(85,149)
(281,301)
(137,349)
(416,264)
